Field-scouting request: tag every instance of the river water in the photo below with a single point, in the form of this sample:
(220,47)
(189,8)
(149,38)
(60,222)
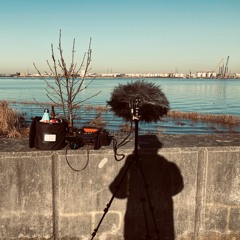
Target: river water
(218,96)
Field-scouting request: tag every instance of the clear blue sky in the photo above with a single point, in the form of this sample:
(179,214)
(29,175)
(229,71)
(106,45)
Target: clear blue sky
(127,35)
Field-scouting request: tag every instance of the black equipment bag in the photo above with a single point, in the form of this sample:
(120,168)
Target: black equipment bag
(47,136)
(95,135)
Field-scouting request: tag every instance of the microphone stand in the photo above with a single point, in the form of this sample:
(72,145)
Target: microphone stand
(141,179)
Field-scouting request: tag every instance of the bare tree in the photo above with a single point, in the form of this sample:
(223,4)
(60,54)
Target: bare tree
(68,82)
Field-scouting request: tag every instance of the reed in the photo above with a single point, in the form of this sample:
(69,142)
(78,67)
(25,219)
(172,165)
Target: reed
(101,108)
(12,123)
(125,128)
(44,104)
(31,103)
(88,108)
(97,122)
(96,108)
(213,118)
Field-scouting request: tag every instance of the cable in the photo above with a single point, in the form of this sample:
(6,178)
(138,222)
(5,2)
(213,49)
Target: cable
(74,169)
(116,146)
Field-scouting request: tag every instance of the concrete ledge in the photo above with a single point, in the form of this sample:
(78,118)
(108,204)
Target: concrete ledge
(194,187)
(166,140)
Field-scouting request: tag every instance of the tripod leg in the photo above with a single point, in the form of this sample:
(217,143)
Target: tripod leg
(112,198)
(142,199)
(140,169)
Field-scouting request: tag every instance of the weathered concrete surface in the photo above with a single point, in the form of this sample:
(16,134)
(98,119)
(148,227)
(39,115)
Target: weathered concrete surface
(194,184)
(167,140)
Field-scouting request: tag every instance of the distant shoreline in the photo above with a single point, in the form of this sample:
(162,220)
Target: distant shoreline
(124,77)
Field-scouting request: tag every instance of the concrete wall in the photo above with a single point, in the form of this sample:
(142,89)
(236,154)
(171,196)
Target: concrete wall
(195,192)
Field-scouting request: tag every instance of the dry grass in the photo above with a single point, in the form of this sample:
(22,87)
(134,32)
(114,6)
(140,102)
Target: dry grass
(86,107)
(125,128)
(32,103)
(97,122)
(96,108)
(193,116)
(213,118)
(12,124)
(183,115)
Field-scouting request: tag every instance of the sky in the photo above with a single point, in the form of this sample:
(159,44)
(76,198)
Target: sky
(128,36)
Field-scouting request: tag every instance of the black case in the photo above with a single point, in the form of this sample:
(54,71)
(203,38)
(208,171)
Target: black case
(47,136)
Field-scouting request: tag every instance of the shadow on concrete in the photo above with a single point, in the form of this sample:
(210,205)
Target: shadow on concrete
(163,179)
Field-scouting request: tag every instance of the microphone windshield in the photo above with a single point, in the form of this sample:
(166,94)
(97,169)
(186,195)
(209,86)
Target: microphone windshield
(153,105)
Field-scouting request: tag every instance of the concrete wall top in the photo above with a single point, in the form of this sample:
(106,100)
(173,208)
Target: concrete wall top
(20,145)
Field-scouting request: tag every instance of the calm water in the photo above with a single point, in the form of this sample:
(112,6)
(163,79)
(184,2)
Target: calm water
(188,95)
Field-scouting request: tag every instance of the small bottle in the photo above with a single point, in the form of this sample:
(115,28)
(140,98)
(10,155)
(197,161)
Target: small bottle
(46,117)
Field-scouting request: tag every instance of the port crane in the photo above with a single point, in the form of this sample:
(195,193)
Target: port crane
(223,68)
(226,68)
(220,67)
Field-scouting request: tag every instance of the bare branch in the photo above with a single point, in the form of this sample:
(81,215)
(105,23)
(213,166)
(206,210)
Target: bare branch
(88,60)
(73,53)
(52,71)
(58,82)
(82,63)
(82,101)
(80,90)
(62,62)
(37,69)
(51,99)
(67,86)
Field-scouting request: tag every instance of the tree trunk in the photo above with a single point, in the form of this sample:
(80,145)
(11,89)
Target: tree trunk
(70,115)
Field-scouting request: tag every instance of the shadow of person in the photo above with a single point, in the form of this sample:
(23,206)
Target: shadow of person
(148,175)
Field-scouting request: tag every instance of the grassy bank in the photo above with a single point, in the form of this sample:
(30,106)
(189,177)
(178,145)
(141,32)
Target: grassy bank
(224,119)
(12,123)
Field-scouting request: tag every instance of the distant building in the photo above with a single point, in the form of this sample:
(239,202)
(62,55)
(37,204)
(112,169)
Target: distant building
(148,75)
(208,74)
(112,75)
(237,75)
(179,75)
(134,75)
(22,74)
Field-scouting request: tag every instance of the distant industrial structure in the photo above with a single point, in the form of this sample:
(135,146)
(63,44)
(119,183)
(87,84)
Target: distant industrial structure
(199,74)
(221,71)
